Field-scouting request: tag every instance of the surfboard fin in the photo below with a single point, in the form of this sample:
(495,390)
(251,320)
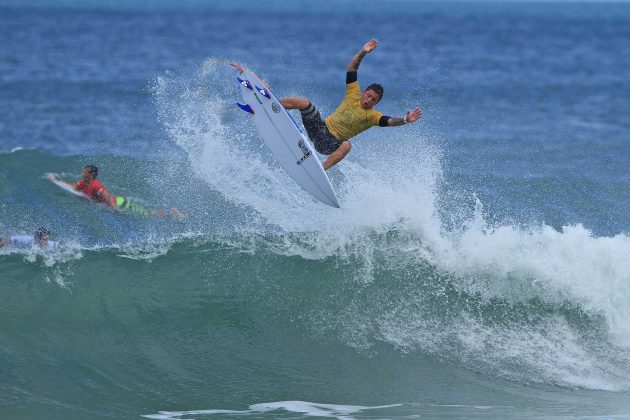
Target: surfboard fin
(246,108)
(245,83)
(263,92)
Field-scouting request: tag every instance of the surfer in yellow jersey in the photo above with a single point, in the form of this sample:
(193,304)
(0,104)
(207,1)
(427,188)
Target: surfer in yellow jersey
(354,114)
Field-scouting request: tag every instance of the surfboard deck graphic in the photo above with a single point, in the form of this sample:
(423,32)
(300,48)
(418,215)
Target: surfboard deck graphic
(284,138)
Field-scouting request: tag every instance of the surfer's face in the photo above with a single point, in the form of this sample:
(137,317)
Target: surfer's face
(369,98)
(87,176)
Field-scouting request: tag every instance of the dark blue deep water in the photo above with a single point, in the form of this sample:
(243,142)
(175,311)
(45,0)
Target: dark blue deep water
(479,266)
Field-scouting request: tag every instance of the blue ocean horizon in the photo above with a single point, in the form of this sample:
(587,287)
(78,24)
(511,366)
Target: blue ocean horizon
(478,266)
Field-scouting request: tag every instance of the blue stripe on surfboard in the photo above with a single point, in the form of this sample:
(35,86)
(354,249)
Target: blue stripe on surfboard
(245,83)
(263,92)
(246,108)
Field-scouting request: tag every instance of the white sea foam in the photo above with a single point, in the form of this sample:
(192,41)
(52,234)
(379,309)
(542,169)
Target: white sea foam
(571,264)
(305,408)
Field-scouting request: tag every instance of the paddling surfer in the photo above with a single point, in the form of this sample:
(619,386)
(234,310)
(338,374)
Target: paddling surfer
(41,239)
(96,191)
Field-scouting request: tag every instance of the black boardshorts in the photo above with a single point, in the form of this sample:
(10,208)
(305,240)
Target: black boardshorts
(323,140)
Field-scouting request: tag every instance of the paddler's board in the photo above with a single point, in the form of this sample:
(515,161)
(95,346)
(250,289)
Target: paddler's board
(65,186)
(286,140)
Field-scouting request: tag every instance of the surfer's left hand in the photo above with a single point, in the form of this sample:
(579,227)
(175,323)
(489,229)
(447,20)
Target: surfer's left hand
(414,115)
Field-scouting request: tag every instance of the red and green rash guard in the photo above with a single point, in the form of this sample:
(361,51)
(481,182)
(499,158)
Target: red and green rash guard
(94,189)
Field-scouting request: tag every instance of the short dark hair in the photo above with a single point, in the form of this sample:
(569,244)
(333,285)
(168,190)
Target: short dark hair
(376,88)
(41,232)
(93,170)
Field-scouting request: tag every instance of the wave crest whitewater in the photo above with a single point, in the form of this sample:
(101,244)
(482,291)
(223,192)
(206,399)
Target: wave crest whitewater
(385,292)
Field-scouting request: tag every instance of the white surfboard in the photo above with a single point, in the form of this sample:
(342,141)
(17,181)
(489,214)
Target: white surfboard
(54,178)
(284,138)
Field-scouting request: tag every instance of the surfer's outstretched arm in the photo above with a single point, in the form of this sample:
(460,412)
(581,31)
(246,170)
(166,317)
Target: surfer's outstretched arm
(356,60)
(410,117)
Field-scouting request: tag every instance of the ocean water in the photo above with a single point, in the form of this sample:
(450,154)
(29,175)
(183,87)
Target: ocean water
(479,266)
